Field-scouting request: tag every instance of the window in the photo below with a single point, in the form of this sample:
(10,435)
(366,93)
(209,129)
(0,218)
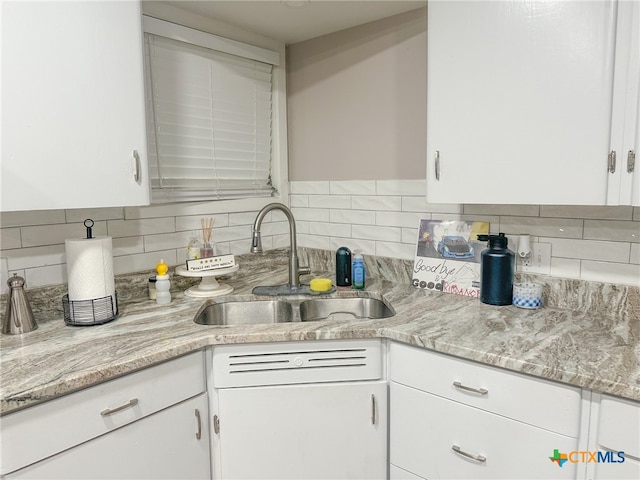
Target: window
(209,115)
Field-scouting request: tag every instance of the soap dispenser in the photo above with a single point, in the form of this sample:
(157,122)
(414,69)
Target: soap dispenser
(497,265)
(343,267)
(359,272)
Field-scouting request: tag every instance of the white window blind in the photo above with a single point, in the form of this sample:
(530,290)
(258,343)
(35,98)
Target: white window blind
(209,122)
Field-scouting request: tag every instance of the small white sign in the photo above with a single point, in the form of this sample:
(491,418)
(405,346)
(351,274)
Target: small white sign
(210,263)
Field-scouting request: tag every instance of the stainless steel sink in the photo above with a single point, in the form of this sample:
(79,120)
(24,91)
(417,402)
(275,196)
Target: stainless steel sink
(249,311)
(344,308)
(244,312)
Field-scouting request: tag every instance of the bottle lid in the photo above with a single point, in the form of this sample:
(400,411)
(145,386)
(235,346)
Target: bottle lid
(15,281)
(162,268)
(499,240)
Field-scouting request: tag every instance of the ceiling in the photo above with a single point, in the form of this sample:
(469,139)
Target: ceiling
(292,21)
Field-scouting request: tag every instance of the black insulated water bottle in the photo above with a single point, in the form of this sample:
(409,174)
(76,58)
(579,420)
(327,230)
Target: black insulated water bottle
(343,267)
(496,271)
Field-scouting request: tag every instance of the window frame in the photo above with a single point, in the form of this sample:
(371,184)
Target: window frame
(272,52)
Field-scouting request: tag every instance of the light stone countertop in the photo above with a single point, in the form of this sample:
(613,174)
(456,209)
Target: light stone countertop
(598,351)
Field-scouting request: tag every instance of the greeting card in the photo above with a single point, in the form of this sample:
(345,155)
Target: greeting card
(448,256)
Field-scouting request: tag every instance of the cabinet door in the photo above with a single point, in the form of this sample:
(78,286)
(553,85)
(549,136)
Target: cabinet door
(304,431)
(163,445)
(73,129)
(624,179)
(519,101)
(615,428)
(635,170)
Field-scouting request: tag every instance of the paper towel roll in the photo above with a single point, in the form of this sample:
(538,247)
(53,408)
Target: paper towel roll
(90,268)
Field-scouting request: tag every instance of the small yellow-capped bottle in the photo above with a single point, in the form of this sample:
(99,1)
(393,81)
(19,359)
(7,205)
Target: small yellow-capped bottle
(163,295)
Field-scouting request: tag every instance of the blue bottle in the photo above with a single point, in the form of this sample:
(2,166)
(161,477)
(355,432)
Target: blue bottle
(497,265)
(358,277)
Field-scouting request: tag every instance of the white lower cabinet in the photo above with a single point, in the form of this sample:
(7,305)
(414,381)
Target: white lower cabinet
(615,435)
(304,431)
(438,438)
(281,417)
(164,445)
(143,425)
(324,410)
(455,419)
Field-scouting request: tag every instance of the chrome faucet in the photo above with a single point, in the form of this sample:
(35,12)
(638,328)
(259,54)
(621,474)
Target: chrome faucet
(295,270)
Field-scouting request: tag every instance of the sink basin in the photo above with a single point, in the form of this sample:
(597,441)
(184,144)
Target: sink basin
(248,311)
(344,309)
(244,312)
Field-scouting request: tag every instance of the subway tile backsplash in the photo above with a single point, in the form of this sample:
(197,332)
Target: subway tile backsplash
(589,243)
(377,217)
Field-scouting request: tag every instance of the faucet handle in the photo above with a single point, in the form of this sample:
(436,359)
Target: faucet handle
(303,271)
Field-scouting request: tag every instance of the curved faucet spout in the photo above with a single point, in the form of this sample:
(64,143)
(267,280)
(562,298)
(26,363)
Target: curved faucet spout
(256,243)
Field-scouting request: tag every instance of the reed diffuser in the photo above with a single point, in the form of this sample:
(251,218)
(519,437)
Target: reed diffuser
(207,227)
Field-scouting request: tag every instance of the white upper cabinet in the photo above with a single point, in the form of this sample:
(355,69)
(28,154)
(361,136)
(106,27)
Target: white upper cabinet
(73,123)
(520,101)
(624,179)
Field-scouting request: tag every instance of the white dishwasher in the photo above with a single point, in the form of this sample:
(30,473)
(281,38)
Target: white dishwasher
(300,410)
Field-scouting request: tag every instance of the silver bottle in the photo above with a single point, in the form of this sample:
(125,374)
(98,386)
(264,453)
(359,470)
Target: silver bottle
(19,316)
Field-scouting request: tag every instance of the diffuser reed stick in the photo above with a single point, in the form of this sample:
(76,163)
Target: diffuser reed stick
(207,227)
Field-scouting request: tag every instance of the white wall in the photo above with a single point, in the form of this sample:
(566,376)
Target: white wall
(356,102)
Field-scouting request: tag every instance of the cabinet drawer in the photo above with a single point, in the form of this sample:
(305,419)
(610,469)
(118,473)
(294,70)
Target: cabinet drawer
(531,400)
(424,429)
(43,430)
(619,424)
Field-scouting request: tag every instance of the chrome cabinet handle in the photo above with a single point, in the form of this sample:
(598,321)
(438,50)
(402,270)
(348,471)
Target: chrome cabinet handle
(477,458)
(611,166)
(136,166)
(373,409)
(481,391)
(216,424)
(199,432)
(110,411)
(631,161)
(437,165)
